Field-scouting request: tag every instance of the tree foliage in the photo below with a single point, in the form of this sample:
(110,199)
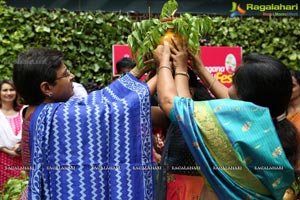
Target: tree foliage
(87,38)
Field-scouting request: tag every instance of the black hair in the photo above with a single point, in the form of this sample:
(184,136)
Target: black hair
(200,91)
(267,82)
(125,62)
(33,67)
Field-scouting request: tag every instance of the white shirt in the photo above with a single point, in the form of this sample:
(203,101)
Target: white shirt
(79,90)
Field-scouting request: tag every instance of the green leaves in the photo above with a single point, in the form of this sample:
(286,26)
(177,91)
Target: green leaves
(192,28)
(147,33)
(40,29)
(169,9)
(14,187)
(273,36)
(87,37)
(144,38)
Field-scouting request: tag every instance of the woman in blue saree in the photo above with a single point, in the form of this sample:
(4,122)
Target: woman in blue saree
(95,147)
(244,145)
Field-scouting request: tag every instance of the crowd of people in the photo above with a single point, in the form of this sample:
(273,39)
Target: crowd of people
(240,142)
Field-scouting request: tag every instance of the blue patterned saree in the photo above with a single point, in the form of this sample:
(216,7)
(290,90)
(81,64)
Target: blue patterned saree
(236,146)
(98,147)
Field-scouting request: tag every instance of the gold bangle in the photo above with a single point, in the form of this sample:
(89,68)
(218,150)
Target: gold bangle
(212,83)
(166,68)
(183,73)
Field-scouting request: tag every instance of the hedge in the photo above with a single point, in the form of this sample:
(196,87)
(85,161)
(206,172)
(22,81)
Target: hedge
(278,37)
(87,38)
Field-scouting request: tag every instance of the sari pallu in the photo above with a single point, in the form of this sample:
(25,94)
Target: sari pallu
(98,147)
(236,146)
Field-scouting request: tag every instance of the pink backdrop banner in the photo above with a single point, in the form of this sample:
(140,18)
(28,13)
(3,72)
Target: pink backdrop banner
(219,61)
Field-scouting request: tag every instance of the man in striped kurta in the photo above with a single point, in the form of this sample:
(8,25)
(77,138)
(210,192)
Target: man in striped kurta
(98,147)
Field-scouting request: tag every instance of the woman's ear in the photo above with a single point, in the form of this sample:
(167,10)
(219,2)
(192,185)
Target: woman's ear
(46,89)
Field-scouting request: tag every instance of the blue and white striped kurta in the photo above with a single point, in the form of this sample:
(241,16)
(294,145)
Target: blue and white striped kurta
(98,147)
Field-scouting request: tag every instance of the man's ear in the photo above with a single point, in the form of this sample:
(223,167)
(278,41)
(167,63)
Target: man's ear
(46,88)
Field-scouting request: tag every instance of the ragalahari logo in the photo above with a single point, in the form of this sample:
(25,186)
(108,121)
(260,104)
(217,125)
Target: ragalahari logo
(236,10)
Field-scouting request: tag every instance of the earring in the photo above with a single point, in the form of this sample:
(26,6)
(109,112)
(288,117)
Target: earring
(50,94)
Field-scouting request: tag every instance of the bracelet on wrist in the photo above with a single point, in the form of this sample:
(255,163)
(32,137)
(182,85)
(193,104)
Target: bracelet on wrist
(166,67)
(183,74)
(212,83)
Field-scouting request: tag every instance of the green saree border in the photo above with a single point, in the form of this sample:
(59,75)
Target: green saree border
(222,151)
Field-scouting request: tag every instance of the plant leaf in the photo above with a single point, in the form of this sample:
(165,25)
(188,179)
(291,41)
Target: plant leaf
(168,9)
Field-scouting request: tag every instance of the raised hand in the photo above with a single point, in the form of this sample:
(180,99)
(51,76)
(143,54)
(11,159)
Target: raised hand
(179,53)
(196,62)
(162,55)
